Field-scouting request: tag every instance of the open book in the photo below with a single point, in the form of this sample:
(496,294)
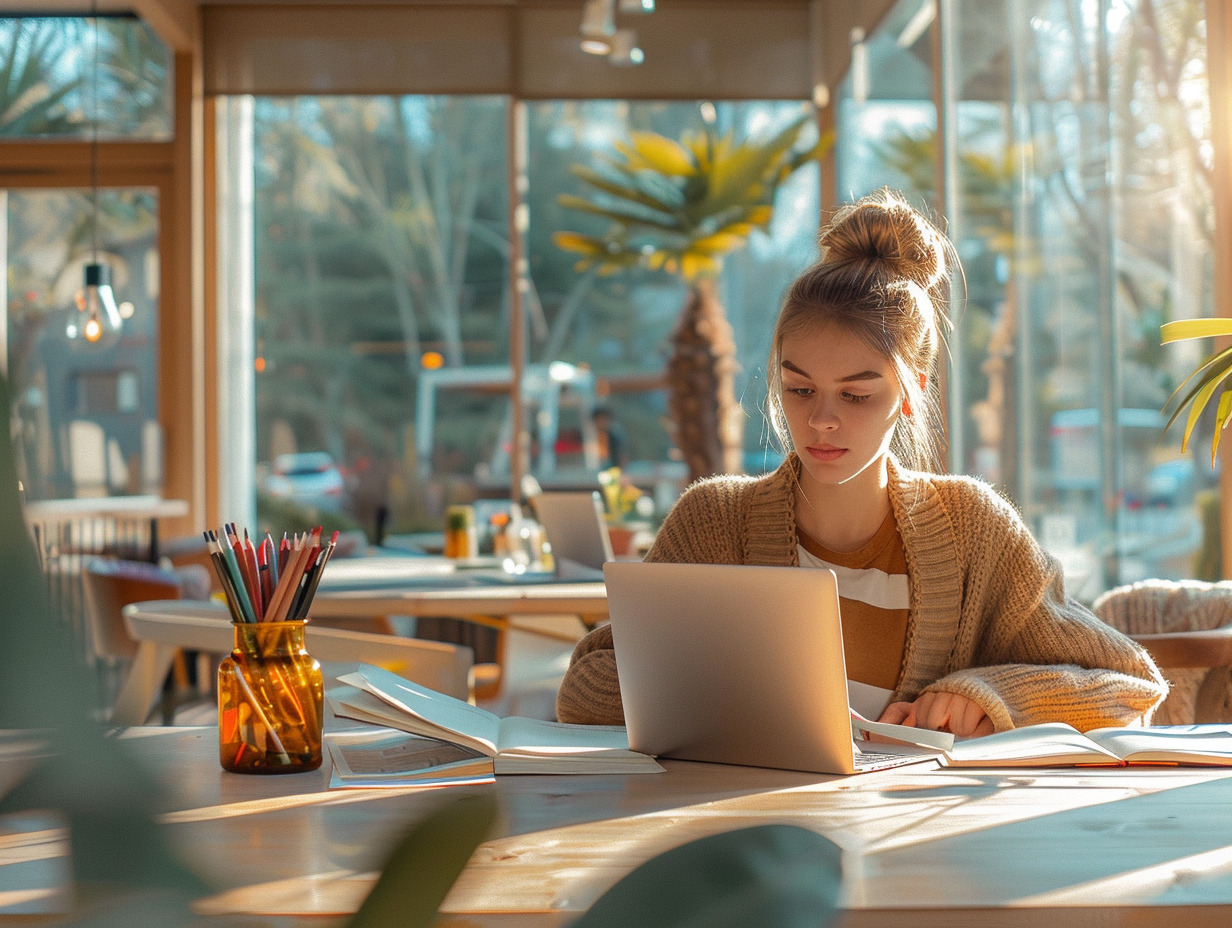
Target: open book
(370,758)
(515,744)
(1056,744)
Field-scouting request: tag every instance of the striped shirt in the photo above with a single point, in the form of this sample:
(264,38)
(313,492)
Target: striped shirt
(873,598)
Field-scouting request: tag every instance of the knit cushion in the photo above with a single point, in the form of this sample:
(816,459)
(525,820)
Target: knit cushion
(1165,606)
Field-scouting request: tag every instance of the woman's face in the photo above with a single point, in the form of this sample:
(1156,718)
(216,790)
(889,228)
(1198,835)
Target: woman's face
(841,400)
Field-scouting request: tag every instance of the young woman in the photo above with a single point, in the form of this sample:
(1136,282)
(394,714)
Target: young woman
(949,605)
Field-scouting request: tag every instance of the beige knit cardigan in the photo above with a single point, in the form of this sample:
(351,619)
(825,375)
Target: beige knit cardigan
(988,616)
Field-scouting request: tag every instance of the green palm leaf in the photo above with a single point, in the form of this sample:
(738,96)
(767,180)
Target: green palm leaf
(1205,381)
(631,187)
(1184,329)
(686,203)
(629,213)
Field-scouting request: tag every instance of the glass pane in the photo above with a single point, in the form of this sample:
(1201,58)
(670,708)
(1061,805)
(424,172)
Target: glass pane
(1080,205)
(381,241)
(617,326)
(86,414)
(53,90)
(381,314)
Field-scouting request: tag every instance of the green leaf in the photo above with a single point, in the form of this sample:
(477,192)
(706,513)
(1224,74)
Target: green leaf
(1221,421)
(625,215)
(109,802)
(750,172)
(419,873)
(1212,367)
(771,876)
(1184,329)
(661,154)
(630,187)
(1206,379)
(580,244)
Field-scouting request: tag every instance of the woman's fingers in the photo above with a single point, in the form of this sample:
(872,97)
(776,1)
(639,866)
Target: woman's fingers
(896,713)
(953,713)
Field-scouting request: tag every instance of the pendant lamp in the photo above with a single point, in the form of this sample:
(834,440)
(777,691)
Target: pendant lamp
(98,318)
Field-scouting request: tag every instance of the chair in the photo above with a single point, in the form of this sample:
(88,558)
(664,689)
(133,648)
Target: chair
(163,627)
(110,584)
(1186,625)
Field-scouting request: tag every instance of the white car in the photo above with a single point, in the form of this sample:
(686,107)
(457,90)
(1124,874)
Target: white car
(309,478)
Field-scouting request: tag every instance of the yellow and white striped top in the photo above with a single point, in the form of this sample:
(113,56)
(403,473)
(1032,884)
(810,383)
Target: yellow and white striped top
(873,599)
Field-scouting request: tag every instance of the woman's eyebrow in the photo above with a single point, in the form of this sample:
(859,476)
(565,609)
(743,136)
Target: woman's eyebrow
(863,375)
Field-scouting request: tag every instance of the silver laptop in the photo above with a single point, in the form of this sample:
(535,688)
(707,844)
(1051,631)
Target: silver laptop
(574,523)
(737,665)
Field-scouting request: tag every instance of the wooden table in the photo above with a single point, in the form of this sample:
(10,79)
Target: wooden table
(921,846)
(428,586)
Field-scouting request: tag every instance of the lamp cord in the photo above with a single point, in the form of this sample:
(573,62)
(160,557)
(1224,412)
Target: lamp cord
(94,136)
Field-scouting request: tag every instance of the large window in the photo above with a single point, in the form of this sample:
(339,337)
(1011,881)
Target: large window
(1078,189)
(86,414)
(380,314)
(67,77)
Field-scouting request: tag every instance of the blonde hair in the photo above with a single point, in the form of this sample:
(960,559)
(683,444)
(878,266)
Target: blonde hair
(884,276)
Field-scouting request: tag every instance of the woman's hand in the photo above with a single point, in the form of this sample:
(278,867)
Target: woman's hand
(940,712)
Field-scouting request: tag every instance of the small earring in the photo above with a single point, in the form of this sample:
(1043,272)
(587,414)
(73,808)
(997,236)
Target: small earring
(906,408)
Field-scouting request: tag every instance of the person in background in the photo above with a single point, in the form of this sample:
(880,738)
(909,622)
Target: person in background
(949,605)
(612,446)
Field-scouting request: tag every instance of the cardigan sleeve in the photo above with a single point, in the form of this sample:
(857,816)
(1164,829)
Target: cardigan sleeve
(703,527)
(1032,654)
(589,694)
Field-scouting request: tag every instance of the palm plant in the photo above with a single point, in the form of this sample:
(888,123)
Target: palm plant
(1196,391)
(679,207)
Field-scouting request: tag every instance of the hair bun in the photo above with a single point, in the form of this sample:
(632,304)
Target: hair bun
(884,232)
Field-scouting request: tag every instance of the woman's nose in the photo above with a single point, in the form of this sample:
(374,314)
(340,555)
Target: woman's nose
(822,414)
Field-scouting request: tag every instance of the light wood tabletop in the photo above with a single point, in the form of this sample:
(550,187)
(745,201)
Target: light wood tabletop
(430,586)
(921,846)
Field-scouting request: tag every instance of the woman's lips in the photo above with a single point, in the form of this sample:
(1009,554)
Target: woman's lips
(826,452)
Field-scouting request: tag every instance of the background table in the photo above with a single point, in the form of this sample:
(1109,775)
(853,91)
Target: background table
(429,586)
(922,847)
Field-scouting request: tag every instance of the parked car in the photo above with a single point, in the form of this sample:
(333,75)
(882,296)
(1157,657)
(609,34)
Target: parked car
(308,478)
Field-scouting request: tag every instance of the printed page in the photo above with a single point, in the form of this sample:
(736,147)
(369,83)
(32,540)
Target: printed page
(1199,744)
(1053,744)
(394,755)
(455,719)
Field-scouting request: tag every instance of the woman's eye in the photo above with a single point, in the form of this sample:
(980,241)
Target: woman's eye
(856,397)
(800,391)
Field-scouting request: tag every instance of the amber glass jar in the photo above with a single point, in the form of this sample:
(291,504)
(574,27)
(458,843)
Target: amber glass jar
(270,695)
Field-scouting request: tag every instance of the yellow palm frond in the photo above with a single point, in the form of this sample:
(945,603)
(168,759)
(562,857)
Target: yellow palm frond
(662,154)
(1184,329)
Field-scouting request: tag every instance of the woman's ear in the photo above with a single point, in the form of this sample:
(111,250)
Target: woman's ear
(906,402)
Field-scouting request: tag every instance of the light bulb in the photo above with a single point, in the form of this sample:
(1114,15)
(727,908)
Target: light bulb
(99,295)
(98,315)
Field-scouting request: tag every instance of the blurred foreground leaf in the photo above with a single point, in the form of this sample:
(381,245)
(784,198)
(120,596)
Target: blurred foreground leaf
(108,802)
(771,876)
(418,874)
